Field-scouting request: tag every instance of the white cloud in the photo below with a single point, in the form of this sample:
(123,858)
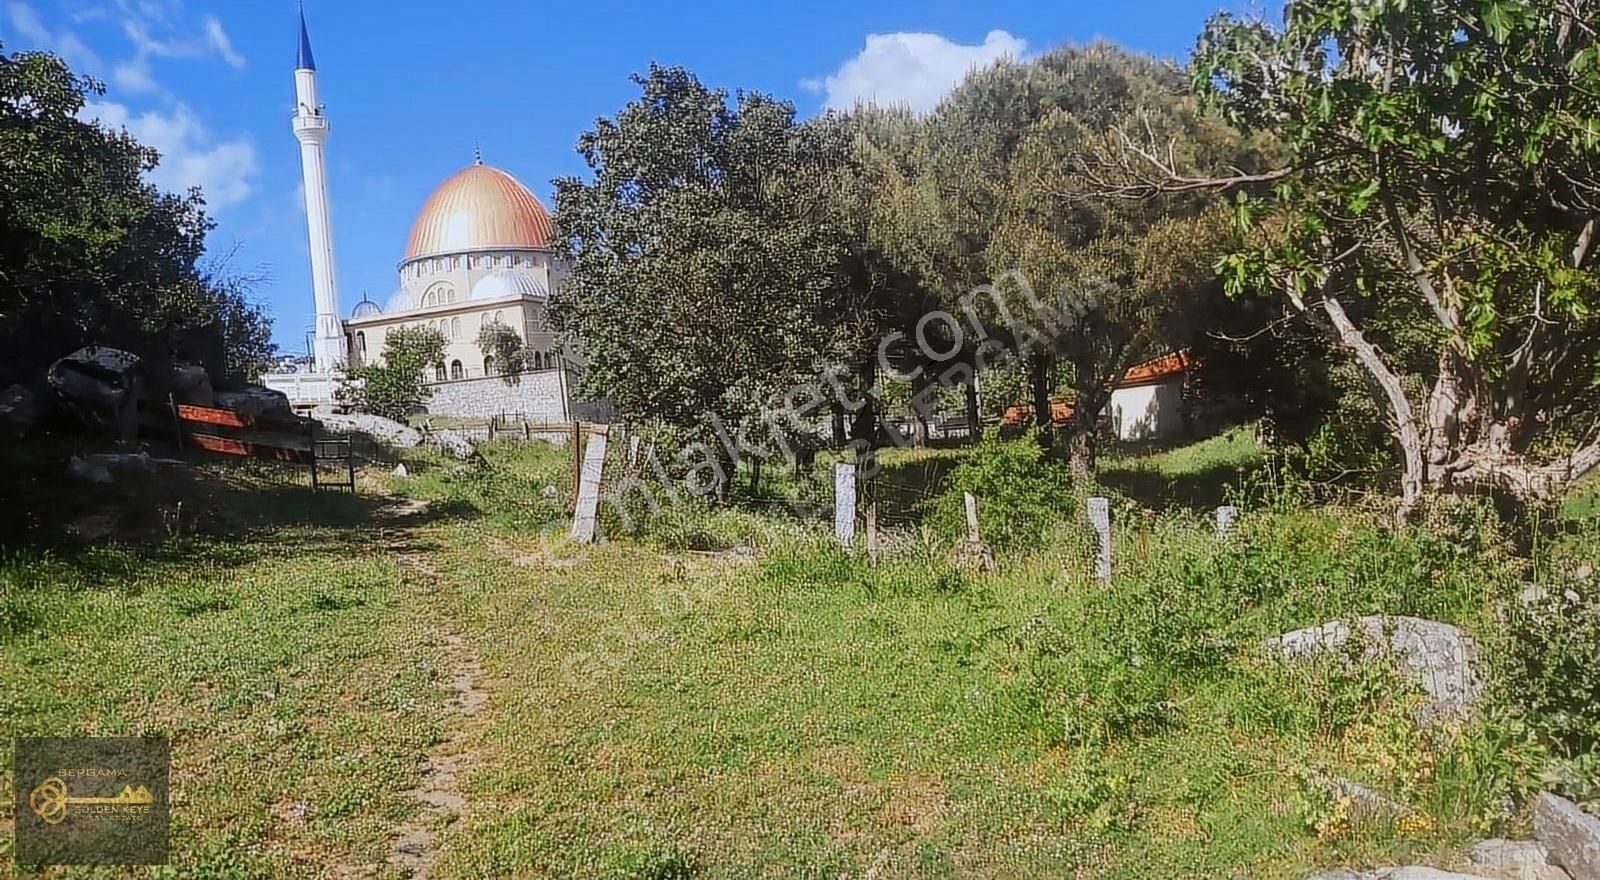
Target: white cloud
(133,76)
(913,69)
(26,22)
(224,170)
(217,39)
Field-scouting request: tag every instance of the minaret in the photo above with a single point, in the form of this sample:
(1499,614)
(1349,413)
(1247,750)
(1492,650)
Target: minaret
(311,129)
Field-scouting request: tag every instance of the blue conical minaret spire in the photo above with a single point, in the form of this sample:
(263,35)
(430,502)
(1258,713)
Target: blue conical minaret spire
(303,59)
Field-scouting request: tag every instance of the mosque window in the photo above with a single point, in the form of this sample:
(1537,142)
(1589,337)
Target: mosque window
(498,317)
(455,325)
(449,294)
(361,342)
(438,372)
(455,369)
(488,366)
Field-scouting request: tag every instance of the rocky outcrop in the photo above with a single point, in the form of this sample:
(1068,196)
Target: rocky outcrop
(1571,835)
(1514,860)
(191,384)
(394,434)
(105,467)
(1437,656)
(101,388)
(19,412)
(256,402)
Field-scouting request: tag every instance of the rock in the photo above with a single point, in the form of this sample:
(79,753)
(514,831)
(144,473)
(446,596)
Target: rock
(1406,872)
(256,402)
(392,433)
(1366,804)
(92,527)
(1514,860)
(400,470)
(191,384)
(101,387)
(549,492)
(1571,835)
(123,463)
(454,443)
(19,411)
(1437,656)
(86,472)
(385,431)
(1420,872)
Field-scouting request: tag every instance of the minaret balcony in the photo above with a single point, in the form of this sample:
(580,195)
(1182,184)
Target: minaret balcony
(310,125)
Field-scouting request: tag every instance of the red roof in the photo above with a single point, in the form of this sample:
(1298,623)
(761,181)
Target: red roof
(1151,372)
(1156,370)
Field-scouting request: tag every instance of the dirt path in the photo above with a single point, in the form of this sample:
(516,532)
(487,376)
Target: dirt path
(439,794)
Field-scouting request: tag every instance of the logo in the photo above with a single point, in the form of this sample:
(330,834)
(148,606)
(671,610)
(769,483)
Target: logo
(92,800)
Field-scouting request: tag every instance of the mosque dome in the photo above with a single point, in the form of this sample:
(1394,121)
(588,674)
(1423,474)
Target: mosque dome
(508,282)
(479,208)
(365,309)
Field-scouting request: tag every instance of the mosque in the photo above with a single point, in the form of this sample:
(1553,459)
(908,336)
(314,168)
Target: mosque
(478,254)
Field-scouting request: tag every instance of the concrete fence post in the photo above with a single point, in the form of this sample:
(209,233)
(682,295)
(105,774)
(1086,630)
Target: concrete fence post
(1226,514)
(1099,510)
(972,519)
(844,503)
(583,517)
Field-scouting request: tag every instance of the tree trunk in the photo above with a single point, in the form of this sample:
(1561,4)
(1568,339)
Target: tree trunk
(974,414)
(839,436)
(1089,400)
(1039,382)
(755,476)
(920,385)
(1403,423)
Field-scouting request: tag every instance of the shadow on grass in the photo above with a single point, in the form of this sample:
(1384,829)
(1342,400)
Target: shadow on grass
(903,489)
(222,511)
(1202,490)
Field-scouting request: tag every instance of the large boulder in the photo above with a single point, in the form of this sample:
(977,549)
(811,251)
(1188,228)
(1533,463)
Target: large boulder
(101,387)
(1514,860)
(392,433)
(1437,656)
(1571,835)
(386,431)
(191,384)
(19,412)
(256,402)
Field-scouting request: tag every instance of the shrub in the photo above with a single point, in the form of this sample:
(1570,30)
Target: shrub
(1020,494)
(1549,664)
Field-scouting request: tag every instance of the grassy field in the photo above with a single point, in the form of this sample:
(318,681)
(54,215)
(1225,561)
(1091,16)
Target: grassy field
(728,695)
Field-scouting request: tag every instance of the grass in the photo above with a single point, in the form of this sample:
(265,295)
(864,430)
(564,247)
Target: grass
(726,694)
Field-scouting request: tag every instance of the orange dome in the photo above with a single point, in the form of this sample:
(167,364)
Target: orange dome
(478,208)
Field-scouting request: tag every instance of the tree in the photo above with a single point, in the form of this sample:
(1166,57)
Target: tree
(1437,214)
(394,386)
(500,342)
(92,254)
(699,272)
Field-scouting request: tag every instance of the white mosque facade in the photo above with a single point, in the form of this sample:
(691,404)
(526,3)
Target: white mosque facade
(478,254)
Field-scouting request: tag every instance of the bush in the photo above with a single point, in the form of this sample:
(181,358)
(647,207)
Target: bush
(1549,665)
(1020,494)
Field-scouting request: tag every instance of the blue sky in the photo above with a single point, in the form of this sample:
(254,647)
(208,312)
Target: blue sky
(411,86)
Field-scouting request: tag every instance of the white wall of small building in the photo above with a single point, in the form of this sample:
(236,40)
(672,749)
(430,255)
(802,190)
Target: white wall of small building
(1148,412)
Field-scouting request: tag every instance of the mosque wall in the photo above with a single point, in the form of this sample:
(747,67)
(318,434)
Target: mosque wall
(540,396)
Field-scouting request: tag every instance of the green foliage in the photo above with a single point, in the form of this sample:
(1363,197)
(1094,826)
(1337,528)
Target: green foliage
(394,387)
(92,254)
(1549,663)
(1430,208)
(1020,495)
(498,341)
(694,284)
